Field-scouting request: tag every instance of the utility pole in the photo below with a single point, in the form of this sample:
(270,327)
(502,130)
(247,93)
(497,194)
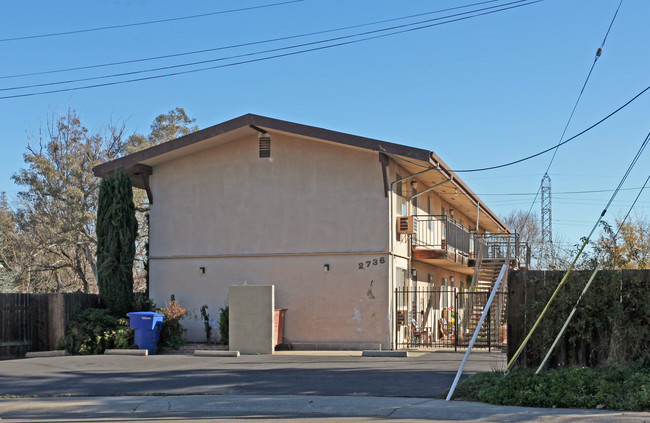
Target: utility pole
(548,253)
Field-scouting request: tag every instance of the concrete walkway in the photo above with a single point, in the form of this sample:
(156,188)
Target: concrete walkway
(282,406)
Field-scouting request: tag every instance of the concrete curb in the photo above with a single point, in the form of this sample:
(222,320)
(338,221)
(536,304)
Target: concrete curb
(387,353)
(303,405)
(212,353)
(126,352)
(55,353)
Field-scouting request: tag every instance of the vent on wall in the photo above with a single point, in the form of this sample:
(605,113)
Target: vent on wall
(405,225)
(265,145)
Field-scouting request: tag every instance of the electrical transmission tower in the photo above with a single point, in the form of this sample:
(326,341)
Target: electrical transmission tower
(548,254)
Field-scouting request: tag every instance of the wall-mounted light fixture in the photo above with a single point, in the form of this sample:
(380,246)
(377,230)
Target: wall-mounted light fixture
(414,273)
(201,270)
(414,184)
(326,267)
(430,278)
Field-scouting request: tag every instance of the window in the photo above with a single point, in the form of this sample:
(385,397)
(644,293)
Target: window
(401,278)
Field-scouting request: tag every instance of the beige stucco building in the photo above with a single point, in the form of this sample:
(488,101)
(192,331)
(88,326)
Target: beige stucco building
(335,221)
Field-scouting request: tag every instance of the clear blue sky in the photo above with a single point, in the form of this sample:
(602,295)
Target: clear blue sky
(478,92)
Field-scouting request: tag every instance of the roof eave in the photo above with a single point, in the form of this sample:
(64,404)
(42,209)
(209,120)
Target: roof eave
(266,123)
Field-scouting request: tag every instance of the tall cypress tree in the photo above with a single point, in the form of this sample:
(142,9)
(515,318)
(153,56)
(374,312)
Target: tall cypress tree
(116,233)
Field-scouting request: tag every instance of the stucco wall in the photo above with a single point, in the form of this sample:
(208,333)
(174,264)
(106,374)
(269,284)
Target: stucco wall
(345,304)
(277,222)
(312,197)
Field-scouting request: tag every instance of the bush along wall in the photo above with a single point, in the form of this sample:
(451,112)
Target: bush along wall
(610,326)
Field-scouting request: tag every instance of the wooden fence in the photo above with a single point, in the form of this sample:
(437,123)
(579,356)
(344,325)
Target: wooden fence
(34,322)
(611,325)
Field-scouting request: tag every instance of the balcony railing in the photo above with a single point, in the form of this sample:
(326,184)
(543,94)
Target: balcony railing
(499,245)
(441,233)
(444,233)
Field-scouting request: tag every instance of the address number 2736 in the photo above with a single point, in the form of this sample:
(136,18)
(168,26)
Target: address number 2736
(373,262)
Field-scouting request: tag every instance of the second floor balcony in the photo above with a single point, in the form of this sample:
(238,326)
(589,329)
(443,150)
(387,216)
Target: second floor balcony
(442,241)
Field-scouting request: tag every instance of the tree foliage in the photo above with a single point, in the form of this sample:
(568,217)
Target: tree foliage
(116,232)
(625,248)
(47,239)
(165,127)
(8,246)
(56,207)
(527,226)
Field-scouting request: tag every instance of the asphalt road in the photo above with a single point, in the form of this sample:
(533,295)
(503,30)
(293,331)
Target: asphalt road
(424,375)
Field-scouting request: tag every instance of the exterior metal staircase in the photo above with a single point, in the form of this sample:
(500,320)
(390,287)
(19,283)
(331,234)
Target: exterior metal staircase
(486,273)
(485,276)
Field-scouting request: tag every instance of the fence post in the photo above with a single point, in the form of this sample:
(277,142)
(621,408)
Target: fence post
(56,319)
(489,329)
(456,321)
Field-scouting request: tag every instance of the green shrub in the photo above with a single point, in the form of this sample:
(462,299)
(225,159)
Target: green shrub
(117,230)
(171,333)
(206,323)
(142,302)
(94,331)
(615,387)
(223,324)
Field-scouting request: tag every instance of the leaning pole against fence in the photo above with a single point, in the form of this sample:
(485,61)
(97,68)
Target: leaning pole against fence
(478,329)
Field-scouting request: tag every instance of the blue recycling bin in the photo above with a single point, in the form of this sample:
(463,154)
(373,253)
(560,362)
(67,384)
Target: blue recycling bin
(147,326)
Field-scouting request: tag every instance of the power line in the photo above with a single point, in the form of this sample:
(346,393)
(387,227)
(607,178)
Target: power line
(269,57)
(582,90)
(532,156)
(575,106)
(584,244)
(632,206)
(593,191)
(220,59)
(103,28)
(252,43)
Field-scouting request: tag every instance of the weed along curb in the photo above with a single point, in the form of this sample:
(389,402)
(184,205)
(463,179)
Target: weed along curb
(126,352)
(56,353)
(212,353)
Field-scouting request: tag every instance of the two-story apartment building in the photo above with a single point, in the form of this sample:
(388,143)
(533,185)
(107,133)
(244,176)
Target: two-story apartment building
(335,221)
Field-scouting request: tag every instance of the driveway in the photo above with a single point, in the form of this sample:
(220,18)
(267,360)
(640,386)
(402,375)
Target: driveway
(424,375)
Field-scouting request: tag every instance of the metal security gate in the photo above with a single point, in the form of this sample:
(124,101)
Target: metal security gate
(446,319)
(424,318)
(493,333)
